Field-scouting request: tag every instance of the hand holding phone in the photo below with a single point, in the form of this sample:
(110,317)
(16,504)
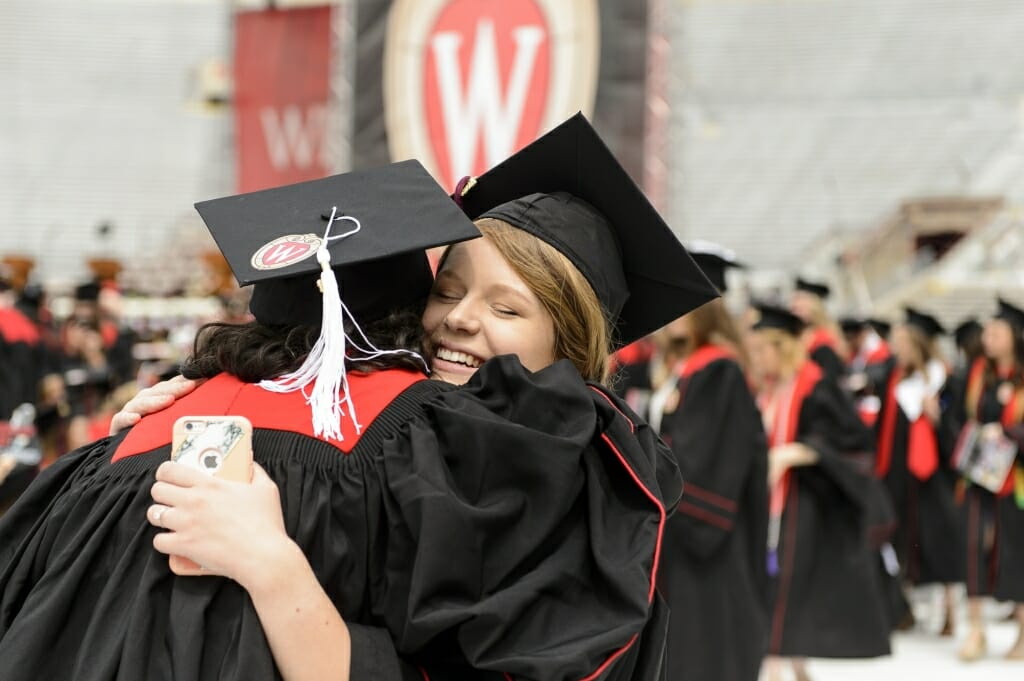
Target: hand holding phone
(217,445)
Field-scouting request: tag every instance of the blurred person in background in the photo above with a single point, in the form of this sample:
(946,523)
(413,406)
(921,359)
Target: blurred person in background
(865,342)
(85,366)
(867,367)
(991,438)
(713,557)
(21,366)
(969,348)
(118,339)
(822,335)
(640,368)
(631,370)
(34,304)
(826,599)
(914,460)
(21,353)
(854,331)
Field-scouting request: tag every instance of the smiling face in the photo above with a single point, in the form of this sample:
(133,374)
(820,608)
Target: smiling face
(480,308)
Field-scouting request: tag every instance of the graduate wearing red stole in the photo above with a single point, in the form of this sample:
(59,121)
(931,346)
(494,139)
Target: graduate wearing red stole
(713,556)
(827,601)
(821,336)
(994,524)
(913,460)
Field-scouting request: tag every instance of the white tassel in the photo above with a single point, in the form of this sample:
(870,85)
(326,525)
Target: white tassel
(325,363)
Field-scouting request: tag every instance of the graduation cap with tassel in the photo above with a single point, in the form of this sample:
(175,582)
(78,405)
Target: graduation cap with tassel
(330,251)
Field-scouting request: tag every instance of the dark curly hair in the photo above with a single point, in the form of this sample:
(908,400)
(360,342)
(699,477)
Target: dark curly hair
(253,351)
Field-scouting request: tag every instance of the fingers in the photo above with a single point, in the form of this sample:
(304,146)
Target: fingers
(776,469)
(142,404)
(170,495)
(182,475)
(175,482)
(179,386)
(122,420)
(158,515)
(147,403)
(150,400)
(164,542)
(170,543)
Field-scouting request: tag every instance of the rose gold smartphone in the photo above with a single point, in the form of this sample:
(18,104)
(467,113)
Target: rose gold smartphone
(217,445)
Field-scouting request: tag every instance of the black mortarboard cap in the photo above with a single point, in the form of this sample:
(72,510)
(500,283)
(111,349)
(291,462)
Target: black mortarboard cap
(775,317)
(1010,313)
(270,239)
(881,327)
(31,296)
(88,292)
(928,324)
(819,289)
(851,325)
(965,330)
(567,189)
(714,260)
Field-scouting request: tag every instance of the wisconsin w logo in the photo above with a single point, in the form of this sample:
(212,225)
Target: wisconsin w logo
(479,105)
(284,251)
(468,83)
(295,138)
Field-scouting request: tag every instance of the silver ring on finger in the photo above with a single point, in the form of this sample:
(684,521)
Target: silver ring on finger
(158,516)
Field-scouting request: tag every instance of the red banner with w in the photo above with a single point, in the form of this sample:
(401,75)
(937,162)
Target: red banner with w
(282,78)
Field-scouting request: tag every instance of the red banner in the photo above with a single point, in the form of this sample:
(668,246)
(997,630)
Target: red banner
(282,78)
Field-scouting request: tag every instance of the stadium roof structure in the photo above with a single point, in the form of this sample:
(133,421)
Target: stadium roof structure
(796,121)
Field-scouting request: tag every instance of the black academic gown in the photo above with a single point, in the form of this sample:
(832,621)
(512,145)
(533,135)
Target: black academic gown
(21,368)
(507,529)
(822,351)
(827,601)
(21,361)
(713,571)
(928,532)
(1009,578)
(119,344)
(993,524)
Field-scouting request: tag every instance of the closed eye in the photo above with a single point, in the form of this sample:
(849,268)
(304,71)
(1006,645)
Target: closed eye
(446,296)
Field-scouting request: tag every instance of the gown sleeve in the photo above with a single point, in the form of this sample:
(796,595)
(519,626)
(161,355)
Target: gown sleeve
(829,361)
(829,424)
(716,435)
(523,542)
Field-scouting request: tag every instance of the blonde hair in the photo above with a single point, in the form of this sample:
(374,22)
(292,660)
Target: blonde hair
(923,345)
(820,319)
(712,323)
(582,329)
